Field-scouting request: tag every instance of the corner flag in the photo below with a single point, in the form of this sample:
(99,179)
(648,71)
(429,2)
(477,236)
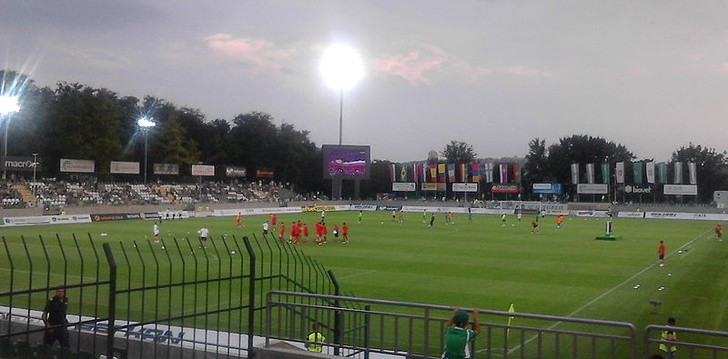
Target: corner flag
(511,309)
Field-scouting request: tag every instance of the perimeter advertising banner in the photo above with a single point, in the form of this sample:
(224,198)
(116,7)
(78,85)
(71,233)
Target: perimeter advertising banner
(592,188)
(504,188)
(166,169)
(465,187)
(128,168)
(18,163)
(234,171)
(681,189)
(203,170)
(432,186)
(547,188)
(404,187)
(82,166)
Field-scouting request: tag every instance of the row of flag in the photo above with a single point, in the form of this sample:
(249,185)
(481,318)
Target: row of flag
(461,172)
(642,172)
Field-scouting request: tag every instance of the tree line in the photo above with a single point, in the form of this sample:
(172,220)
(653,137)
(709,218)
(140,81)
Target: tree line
(77,121)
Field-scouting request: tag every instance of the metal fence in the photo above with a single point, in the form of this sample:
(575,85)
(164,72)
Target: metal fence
(150,299)
(416,330)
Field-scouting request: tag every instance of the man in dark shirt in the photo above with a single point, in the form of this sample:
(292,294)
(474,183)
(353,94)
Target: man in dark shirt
(54,317)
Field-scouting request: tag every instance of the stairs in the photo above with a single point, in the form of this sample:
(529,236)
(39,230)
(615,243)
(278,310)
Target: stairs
(26,194)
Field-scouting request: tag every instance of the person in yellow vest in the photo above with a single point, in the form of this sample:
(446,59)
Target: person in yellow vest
(315,339)
(668,335)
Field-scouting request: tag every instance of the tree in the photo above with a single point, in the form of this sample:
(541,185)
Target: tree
(582,149)
(712,169)
(534,170)
(458,152)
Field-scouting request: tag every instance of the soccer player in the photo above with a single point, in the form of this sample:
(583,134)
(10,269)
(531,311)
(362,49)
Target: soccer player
(432,219)
(336,232)
(457,337)
(360,215)
(295,233)
(559,221)
(534,225)
(203,233)
(266,226)
(238,220)
(661,254)
(503,220)
(155,230)
(345,233)
(273,220)
(282,232)
(519,215)
(305,234)
(719,231)
(394,216)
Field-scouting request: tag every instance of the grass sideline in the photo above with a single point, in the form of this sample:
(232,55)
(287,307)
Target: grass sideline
(483,264)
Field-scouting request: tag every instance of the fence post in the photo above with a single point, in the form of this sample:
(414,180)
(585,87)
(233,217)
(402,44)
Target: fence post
(337,314)
(112,300)
(251,294)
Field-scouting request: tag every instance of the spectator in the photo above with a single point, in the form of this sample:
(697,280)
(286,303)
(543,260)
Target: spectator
(315,339)
(457,337)
(54,317)
(669,335)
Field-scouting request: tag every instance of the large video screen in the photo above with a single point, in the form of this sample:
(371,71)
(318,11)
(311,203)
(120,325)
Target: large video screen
(346,161)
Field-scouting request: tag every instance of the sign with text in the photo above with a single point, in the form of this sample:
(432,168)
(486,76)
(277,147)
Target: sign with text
(234,171)
(82,166)
(504,188)
(18,163)
(166,169)
(592,188)
(203,170)
(547,188)
(465,187)
(128,168)
(404,187)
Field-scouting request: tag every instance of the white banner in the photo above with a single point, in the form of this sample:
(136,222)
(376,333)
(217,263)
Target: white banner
(619,172)
(255,211)
(38,220)
(465,187)
(595,214)
(692,216)
(574,173)
(678,172)
(681,189)
(589,173)
(593,188)
(631,214)
(84,166)
(203,170)
(404,187)
(166,169)
(693,170)
(650,169)
(129,168)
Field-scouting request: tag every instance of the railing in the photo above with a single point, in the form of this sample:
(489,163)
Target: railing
(151,299)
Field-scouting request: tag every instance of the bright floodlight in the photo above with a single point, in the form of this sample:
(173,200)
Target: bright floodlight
(9,104)
(341,67)
(145,123)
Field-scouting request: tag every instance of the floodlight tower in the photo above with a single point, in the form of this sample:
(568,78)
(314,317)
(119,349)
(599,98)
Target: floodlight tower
(145,125)
(341,69)
(8,105)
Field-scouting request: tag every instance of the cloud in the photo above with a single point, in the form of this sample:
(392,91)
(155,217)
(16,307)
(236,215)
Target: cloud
(519,70)
(420,66)
(261,55)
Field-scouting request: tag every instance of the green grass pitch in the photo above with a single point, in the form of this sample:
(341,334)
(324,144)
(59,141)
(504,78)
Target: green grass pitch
(483,264)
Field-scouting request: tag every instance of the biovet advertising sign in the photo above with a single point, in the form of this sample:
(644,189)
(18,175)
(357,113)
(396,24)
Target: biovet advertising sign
(19,163)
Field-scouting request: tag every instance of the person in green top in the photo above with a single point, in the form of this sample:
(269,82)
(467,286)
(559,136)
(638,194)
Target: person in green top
(669,335)
(315,339)
(457,337)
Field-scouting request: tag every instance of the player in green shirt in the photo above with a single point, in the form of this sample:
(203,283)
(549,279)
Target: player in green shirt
(457,337)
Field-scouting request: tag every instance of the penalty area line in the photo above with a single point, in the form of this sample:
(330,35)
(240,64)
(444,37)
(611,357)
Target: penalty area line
(359,274)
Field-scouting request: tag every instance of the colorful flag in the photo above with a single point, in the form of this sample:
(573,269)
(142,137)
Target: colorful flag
(574,173)
(605,172)
(403,175)
(488,168)
(463,173)
(441,172)
(392,170)
(433,172)
(475,172)
(451,172)
(504,173)
(516,173)
(416,172)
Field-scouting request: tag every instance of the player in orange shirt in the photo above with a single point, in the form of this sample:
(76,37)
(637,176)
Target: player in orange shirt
(345,233)
(238,220)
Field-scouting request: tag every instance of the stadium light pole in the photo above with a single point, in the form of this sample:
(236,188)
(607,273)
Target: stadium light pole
(145,124)
(341,68)
(8,105)
(35,165)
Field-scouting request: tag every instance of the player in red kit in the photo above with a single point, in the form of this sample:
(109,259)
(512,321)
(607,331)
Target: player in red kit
(345,233)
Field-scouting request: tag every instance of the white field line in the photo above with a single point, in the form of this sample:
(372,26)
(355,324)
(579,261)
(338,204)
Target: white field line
(358,274)
(612,290)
